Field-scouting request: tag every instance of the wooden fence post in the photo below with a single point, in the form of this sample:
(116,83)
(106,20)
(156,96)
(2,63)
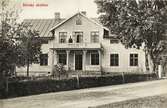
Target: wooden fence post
(123,77)
(78,80)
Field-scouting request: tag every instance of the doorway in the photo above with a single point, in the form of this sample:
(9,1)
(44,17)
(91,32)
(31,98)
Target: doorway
(78,61)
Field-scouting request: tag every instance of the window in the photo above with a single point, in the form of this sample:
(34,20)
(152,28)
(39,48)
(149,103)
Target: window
(70,40)
(62,58)
(44,41)
(94,59)
(95,37)
(133,59)
(106,33)
(62,37)
(78,21)
(44,59)
(113,41)
(114,60)
(79,37)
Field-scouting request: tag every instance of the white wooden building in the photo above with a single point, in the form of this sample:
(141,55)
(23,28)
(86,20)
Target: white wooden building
(82,44)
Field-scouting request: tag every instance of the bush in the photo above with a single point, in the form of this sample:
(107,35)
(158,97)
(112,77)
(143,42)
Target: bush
(24,88)
(59,71)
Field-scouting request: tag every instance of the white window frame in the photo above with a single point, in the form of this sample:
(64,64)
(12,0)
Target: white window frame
(78,21)
(75,33)
(43,59)
(63,53)
(133,57)
(93,36)
(115,64)
(91,58)
(60,37)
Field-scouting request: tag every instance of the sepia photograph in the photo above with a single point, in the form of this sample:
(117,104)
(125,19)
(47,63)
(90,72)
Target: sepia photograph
(83,53)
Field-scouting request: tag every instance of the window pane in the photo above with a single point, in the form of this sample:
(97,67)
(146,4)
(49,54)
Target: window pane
(79,37)
(78,22)
(44,41)
(94,59)
(133,59)
(44,59)
(62,58)
(112,41)
(135,55)
(136,62)
(114,60)
(95,37)
(62,37)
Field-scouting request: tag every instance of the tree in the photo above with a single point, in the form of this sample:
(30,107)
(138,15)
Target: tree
(19,44)
(136,22)
(16,42)
(8,47)
(30,47)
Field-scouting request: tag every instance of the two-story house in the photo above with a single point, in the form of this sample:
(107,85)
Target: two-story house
(82,44)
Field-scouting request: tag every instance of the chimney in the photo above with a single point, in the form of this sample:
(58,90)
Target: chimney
(83,12)
(57,15)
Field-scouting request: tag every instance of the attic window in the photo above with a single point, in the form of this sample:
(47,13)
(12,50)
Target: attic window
(78,21)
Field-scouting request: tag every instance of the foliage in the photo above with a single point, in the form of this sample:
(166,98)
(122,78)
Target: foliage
(136,22)
(19,45)
(23,88)
(59,71)
(30,47)
(7,57)
(8,47)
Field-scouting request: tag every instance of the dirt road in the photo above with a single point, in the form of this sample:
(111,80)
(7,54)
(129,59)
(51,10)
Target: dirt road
(85,98)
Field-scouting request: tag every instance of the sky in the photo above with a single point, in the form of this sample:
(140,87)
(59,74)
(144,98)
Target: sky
(66,8)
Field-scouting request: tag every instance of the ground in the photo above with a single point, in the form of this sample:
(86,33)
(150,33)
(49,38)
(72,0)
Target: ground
(100,96)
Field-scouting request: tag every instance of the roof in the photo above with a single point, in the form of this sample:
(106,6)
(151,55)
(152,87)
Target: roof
(93,20)
(42,25)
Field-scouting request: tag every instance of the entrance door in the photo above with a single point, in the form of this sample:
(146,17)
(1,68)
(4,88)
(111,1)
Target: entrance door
(78,62)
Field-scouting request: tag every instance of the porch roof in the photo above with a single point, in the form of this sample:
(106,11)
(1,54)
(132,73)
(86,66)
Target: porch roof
(77,46)
(76,49)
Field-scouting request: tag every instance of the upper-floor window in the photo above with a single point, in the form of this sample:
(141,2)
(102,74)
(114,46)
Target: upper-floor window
(62,37)
(44,59)
(78,37)
(114,60)
(94,59)
(70,40)
(133,59)
(95,36)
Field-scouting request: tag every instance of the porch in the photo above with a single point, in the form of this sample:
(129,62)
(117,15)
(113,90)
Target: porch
(80,57)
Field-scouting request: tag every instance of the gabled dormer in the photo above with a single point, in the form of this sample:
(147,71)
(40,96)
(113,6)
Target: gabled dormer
(79,29)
